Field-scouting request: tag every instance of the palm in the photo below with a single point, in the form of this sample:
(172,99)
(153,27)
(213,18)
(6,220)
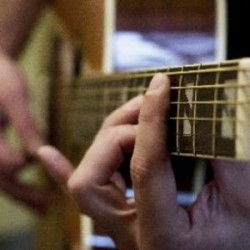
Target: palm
(219,218)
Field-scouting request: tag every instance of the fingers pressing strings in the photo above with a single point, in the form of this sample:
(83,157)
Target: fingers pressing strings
(152,174)
(96,175)
(151,159)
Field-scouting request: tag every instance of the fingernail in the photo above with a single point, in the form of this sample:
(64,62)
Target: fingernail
(156,82)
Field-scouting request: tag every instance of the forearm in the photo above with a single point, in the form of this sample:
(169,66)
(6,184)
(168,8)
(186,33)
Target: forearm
(17,18)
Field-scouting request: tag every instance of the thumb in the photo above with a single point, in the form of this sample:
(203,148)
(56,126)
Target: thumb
(56,164)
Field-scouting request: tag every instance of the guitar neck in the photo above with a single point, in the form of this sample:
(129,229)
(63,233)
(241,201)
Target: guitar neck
(209,107)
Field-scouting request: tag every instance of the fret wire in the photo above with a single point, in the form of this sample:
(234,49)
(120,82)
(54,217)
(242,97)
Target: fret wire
(125,89)
(178,114)
(131,85)
(134,86)
(215,115)
(195,110)
(234,124)
(105,99)
(143,85)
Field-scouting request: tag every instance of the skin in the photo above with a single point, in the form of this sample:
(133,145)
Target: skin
(220,217)
(17,18)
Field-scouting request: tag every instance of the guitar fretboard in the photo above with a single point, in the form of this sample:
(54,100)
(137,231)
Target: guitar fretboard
(209,108)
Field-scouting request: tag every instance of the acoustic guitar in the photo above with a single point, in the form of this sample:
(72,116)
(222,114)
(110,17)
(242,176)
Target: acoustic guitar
(209,107)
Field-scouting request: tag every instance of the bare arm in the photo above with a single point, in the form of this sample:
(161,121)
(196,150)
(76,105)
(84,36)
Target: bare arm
(17,17)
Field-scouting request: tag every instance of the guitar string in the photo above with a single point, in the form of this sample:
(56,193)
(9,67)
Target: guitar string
(208,102)
(184,136)
(208,134)
(169,72)
(185,71)
(204,153)
(97,114)
(135,91)
(118,89)
(81,104)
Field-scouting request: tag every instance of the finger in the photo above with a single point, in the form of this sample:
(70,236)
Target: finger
(127,113)
(113,140)
(93,181)
(118,180)
(152,175)
(32,197)
(150,161)
(56,164)
(106,154)
(14,103)
(10,160)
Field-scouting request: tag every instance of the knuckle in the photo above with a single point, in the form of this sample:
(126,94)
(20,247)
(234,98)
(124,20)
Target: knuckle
(152,117)
(112,134)
(81,191)
(107,121)
(140,170)
(153,111)
(146,117)
(78,187)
